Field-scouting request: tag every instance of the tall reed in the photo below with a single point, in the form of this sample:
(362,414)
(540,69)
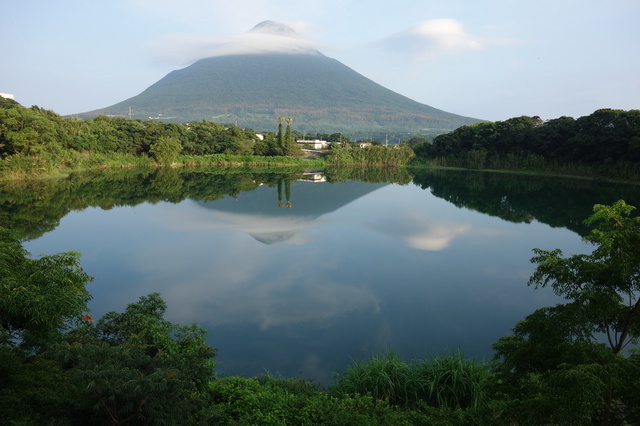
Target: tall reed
(384,376)
(452,381)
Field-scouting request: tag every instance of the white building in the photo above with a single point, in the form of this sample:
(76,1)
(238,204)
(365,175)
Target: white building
(6,95)
(314,144)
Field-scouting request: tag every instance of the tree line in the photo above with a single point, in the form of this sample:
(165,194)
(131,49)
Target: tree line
(35,141)
(39,133)
(606,139)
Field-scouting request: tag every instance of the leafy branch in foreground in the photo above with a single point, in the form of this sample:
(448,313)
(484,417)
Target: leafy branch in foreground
(39,298)
(604,286)
(566,363)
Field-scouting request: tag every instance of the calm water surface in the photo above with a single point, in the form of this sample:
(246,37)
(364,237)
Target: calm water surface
(344,270)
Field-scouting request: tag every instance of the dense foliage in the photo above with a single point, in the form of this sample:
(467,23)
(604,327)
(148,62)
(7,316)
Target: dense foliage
(58,366)
(564,364)
(348,154)
(34,141)
(135,367)
(25,284)
(36,127)
(606,140)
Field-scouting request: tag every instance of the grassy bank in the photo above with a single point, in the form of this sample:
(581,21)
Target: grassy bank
(24,167)
(384,390)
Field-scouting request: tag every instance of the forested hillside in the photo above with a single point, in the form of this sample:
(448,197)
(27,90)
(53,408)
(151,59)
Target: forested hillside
(607,141)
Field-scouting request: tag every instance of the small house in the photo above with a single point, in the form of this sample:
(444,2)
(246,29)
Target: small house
(312,144)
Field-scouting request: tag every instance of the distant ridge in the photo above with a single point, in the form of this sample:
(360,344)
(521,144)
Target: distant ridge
(253,89)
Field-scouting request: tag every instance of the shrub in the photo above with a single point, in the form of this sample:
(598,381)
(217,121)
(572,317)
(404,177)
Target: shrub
(137,367)
(165,150)
(277,401)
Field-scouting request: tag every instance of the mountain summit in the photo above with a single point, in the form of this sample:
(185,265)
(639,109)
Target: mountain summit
(273,27)
(266,37)
(272,71)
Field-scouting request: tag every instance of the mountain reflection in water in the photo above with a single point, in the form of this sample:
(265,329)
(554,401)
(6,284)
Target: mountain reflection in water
(270,219)
(299,277)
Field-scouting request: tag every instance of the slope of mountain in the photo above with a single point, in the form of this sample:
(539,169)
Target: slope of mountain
(319,93)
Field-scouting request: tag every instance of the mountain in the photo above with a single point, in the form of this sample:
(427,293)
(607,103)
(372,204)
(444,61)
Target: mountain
(253,87)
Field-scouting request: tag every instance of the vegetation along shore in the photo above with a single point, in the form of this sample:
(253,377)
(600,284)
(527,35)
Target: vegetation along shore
(38,142)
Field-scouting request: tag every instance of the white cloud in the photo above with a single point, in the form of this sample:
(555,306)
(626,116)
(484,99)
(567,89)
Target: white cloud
(229,289)
(431,38)
(446,34)
(436,238)
(278,38)
(420,231)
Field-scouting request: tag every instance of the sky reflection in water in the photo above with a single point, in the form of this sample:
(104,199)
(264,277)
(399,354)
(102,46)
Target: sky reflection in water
(302,290)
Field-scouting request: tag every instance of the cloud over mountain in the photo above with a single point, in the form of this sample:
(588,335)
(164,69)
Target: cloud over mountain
(266,37)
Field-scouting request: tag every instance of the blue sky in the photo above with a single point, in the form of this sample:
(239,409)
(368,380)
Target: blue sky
(491,59)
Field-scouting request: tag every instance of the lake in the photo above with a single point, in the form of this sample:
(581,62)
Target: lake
(298,274)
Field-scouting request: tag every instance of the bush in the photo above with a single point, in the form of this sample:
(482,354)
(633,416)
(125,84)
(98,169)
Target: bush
(278,401)
(165,150)
(137,367)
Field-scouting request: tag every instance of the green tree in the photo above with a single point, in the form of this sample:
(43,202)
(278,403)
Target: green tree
(165,150)
(604,286)
(135,367)
(287,142)
(39,298)
(28,131)
(415,140)
(280,136)
(554,366)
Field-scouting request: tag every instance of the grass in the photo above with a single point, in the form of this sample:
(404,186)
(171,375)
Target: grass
(244,160)
(20,167)
(382,389)
(384,376)
(269,400)
(451,381)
